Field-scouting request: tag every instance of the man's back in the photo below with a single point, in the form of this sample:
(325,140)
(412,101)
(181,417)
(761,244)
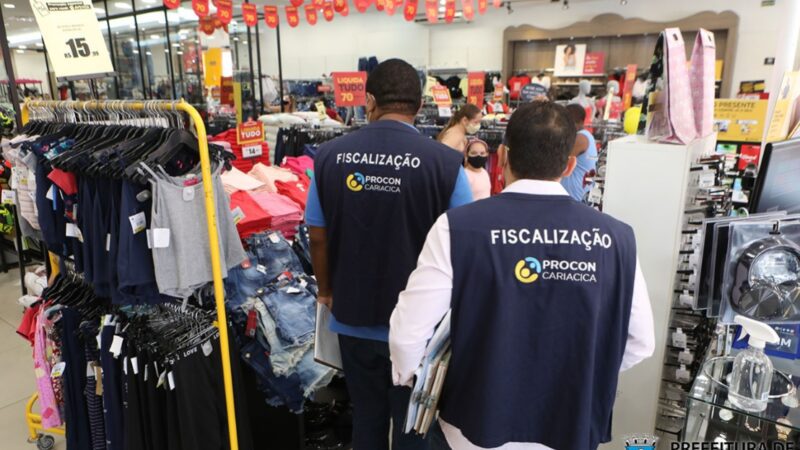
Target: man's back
(542,292)
(381,189)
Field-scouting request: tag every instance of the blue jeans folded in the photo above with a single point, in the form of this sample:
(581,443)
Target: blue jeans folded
(293,307)
(242,283)
(313,375)
(274,254)
(283,358)
(282,390)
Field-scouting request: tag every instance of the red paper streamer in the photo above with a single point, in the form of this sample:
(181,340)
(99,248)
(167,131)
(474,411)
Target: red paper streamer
(380,5)
(410,11)
(296,3)
(311,14)
(271,16)
(292,16)
(362,5)
(391,6)
(200,7)
(249,14)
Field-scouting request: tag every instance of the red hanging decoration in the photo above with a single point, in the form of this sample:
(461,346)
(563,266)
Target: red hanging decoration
(271,16)
(296,3)
(206,25)
(391,6)
(292,16)
(224,11)
(172,4)
(345,11)
(432,10)
(319,4)
(200,7)
(497,3)
(339,5)
(468,8)
(482,4)
(449,11)
(362,5)
(249,14)
(380,5)
(410,10)
(311,14)
(327,11)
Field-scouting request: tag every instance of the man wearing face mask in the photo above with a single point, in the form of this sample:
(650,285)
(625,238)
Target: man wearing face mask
(376,193)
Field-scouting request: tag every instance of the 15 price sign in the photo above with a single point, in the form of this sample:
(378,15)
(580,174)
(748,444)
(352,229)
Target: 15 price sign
(350,88)
(78,48)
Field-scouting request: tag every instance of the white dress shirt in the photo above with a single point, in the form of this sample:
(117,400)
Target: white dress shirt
(426,299)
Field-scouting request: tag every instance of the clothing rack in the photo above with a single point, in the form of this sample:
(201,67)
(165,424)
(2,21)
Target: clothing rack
(152,108)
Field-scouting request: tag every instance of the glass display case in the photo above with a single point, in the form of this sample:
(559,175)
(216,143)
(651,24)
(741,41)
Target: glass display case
(711,418)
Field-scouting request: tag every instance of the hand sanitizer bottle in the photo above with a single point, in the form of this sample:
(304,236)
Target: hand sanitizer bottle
(751,377)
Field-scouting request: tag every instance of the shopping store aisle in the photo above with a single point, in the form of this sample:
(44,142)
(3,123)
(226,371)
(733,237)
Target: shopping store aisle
(16,369)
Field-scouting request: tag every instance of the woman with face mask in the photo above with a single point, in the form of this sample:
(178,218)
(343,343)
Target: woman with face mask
(477,153)
(465,121)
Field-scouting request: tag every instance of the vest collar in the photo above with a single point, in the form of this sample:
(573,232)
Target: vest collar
(536,187)
(392,125)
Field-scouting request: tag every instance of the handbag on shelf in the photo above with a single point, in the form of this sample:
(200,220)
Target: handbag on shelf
(702,74)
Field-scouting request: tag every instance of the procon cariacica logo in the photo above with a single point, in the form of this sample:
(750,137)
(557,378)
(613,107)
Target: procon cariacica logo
(641,442)
(355,181)
(528,270)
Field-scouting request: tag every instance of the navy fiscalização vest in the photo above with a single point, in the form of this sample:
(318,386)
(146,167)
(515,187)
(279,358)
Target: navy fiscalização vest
(381,189)
(542,291)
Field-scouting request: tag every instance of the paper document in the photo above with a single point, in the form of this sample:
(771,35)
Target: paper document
(326,342)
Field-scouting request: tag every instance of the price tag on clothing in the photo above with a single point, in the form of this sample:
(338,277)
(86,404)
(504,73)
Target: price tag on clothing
(135,365)
(149,234)
(160,237)
(73,231)
(9,197)
(274,238)
(188,193)
(320,107)
(445,112)
(89,370)
(171,381)
(685,299)
(161,379)
(116,346)
(596,195)
(207,348)
(707,179)
(138,222)
(58,369)
(252,151)
(685,357)
(293,290)
(108,242)
(237,215)
(99,338)
(682,374)
(679,339)
(51,193)
(262,269)
(146,371)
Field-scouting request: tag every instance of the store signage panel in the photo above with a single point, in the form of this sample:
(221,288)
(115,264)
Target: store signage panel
(475,88)
(569,60)
(530,91)
(350,88)
(627,91)
(594,63)
(740,120)
(441,95)
(72,35)
(250,132)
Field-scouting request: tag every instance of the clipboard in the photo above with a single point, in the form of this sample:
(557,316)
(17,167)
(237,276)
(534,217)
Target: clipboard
(326,342)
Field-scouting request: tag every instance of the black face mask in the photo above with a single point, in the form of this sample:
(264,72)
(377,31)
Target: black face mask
(478,162)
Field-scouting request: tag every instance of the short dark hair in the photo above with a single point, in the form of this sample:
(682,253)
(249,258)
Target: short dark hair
(540,137)
(396,87)
(577,113)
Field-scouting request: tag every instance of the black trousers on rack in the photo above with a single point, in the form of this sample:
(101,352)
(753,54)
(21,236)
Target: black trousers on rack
(73,380)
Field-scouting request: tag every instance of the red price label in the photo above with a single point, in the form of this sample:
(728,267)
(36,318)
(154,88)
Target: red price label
(441,95)
(498,93)
(475,87)
(250,132)
(350,88)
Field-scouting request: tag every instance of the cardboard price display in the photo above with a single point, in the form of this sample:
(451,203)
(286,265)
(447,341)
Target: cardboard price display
(410,11)
(249,14)
(200,7)
(627,91)
(224,11)
(740,120)
(250,132)
(475,85)
(311,14)
(432,10)
(292,16)
(350,88)
(271,16)
(594,63)
(72,35)
(172,4)
(441,95)
(449,11)
(327,11)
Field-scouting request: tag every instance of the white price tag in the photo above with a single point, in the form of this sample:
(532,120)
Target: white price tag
(682,374)
(237,215)
(74,231)
(138,222)
(9,197)
(679,339)
(596,195)
(252,151)
(160,237)
(262,269)
(707,179)
(89,370)
(188,193)
(685,300)
(445,111)
(51,193)
(71,33)
(685,357)
(161,379)
(58,369)
(146,371)
(171,381)
(116,346)
(108,242)
(135,365)
(207,348)
(274,238)
(293,290)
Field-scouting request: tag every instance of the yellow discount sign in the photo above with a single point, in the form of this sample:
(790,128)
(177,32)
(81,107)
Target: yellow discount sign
(740,120)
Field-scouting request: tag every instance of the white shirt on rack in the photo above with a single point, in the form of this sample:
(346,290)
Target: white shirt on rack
(426,299)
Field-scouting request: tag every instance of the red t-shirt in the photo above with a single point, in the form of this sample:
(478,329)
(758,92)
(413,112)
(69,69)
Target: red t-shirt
(515,85)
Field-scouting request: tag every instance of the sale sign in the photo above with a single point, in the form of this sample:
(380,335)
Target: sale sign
(249,14)
(449,10)
(292,16)
(410,11)
(72,35)
(271,15)
(627,91)
(475,85)
(172,4)
(200,7)
(327,11)
(225,11)
(468,8)
(362,5)
(482,4)
(391,6)
(594,63)
(250,132)
(319,4)
(432,10)
(339,5)
(350,88)
(311,14)
(441,95)
(296,3)
(498,93)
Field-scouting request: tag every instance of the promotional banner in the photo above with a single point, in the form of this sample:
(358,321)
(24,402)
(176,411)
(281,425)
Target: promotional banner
(226,91)
(740,120)
(362,5)
(627,90)
(380,5)
(249,14)
(292,16)
(327,11)
(206,25)
(432,10)
(212,61)
(339,5)
(350,88)
(569,59)
(72,35)
(531,91)
(250,132)
(346,10)
(391,6)
(449,11)
(482,5)
(225,11)
(172,4)
(200,7)
(410,11)
(319,4)
(468,9)
(311,14)
(475,85)
(271,15)
(296,3)
(441,95)
(594,63)
(499,92)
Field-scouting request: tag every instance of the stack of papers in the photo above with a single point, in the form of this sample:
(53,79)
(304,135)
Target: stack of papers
(429,379)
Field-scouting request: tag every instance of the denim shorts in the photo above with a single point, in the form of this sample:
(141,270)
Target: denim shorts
(293,307)
(280,390)
(244,283)
(282,357)
(274,254)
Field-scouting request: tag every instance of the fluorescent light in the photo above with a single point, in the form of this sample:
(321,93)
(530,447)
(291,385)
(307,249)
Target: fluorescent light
(9,5)
(155,36)
(166,50)
(180,53)
(176,45)
(99,11)
(245,42)
(20,51)
(22,47)
(235,38)
(39,44)
(136,52)
(148,53)
(132,40)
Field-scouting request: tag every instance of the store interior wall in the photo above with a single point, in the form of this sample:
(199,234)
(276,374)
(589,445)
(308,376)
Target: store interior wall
(30,64)
(309,51)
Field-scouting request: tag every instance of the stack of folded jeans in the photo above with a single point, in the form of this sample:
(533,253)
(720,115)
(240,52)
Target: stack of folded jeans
(274,301)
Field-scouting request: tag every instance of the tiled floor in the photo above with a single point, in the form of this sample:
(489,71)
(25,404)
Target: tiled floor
(16,369)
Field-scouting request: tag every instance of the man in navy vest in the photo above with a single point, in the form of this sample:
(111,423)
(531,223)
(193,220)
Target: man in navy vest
(548,304)
(376,193)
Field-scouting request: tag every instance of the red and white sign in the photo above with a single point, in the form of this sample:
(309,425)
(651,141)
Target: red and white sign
(432,10)
(350,88)
(362,5)
(441,95)
(271,15)
(172,4)
(391,6)
(296,3)
(750,155)
(200,7)
(468,8)
(292,16)
(594,63)
(249,14)
(380,5)
(449,10)
(482,4)
(339,5)
(250,132)
(327,11)
(311,14)
(475,86)
(627,90)
(225,11)
(410,10)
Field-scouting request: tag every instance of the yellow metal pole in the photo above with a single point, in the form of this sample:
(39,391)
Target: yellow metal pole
(211,220)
